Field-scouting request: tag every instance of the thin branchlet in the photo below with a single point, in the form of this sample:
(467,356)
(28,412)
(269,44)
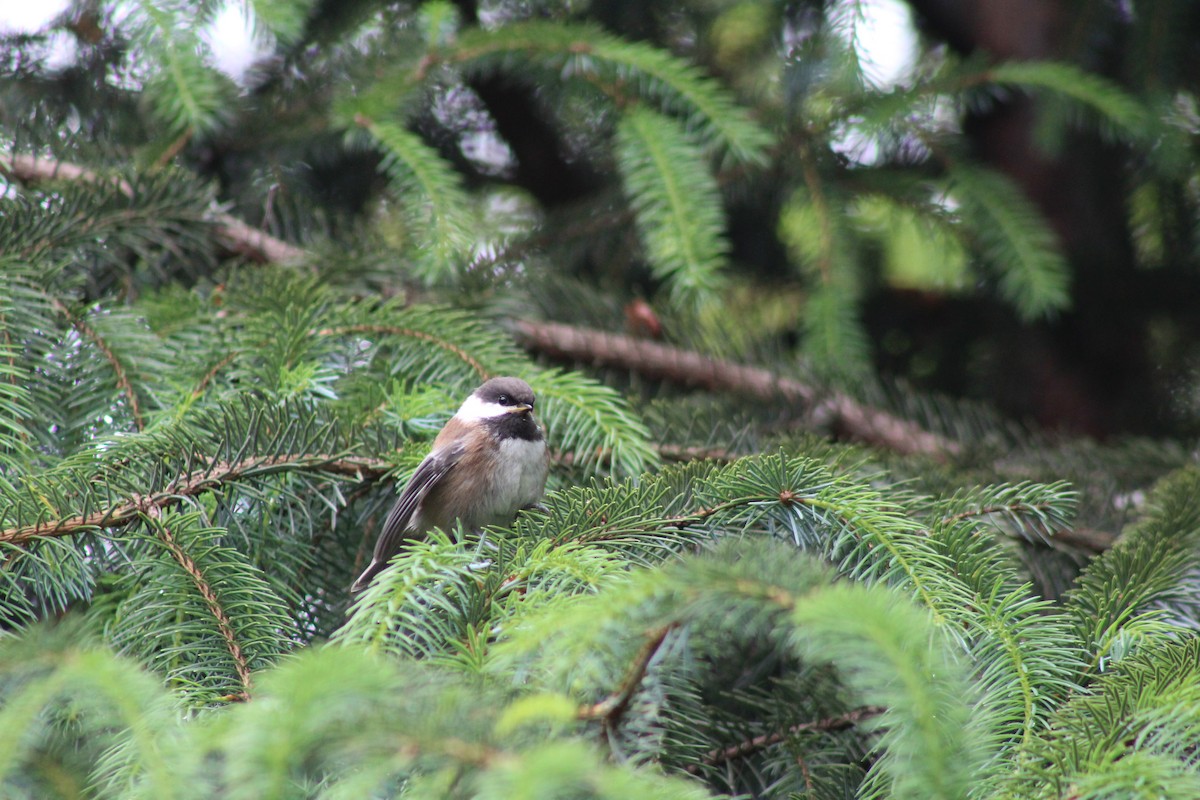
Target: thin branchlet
(750,746)
(224,624)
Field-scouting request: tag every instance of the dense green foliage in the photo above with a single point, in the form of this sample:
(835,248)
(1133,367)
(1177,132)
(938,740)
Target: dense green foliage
(842,588)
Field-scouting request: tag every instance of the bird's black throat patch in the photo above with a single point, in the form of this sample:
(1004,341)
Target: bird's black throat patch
(515,426)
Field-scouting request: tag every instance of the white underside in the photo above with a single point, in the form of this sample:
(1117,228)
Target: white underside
(522,480)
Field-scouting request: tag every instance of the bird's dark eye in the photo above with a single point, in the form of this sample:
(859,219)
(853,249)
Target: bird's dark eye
(504,400)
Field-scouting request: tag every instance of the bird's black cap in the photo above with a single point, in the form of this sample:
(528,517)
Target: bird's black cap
(506,392)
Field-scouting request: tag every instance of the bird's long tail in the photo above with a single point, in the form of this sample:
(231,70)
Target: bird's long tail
(364,580)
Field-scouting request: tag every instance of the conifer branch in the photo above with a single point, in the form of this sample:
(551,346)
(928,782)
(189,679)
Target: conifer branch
(122,376)
(212,373)
(612,708)
(234,234)
(689,368)
(224,624)
(190,485)
(987,511)
(393,330)
(667,452)
(750,746)
(1089,539)
(817,191)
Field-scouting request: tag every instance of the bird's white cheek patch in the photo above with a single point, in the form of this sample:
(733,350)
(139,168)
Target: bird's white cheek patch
(475,409)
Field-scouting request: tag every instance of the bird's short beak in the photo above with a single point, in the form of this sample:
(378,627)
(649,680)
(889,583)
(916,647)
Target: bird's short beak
(520,408)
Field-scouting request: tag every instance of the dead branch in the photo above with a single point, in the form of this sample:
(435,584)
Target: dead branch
(831,410)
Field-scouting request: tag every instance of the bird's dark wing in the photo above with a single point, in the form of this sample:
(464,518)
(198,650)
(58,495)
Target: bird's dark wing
(395,527)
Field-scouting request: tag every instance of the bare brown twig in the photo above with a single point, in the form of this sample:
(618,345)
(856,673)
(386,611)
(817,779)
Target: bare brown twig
(212,373)
(689,368)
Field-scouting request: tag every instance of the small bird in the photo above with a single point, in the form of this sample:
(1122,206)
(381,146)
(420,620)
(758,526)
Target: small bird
(489,461)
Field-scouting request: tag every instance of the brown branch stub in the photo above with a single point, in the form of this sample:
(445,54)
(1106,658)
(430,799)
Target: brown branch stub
(1095,541)
(235,235)
(32,169)
(240,238)
(750,746)
(224,624)
(689,368)
(174,148)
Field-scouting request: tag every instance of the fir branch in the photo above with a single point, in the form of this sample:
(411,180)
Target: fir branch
(1031,511)
(184,92)
(115,707)
(667,452)
(224,625)
(622,68)
(811,227)
(1043,521)
(893,654)
(20,302)
(394,330)
(591,420)
(612,708)
(192,484)
(688,368)
(437,207)
(820,204)
(676,202)
(1014,238)
(234,234)
(1144,707)
(283,19)
(750,746)
(118,366)
(1116,107)
(211,374)
(1146,583)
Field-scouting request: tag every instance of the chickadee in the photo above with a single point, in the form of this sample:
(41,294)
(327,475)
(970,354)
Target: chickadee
(489,461)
